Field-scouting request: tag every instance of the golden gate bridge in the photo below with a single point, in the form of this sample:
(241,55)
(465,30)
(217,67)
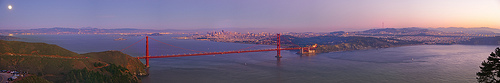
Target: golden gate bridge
(278,50)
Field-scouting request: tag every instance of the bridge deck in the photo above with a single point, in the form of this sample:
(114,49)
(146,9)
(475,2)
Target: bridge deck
(214,53)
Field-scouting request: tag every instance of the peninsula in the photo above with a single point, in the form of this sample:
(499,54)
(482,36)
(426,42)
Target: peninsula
(57,64)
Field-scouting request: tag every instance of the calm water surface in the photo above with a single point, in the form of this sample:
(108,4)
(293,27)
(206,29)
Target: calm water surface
(408,64)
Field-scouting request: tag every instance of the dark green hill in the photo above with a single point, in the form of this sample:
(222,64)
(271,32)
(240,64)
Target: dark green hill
(33,79)
(52,68)
(34,48)
(55,63)
(11,51)
(134,65)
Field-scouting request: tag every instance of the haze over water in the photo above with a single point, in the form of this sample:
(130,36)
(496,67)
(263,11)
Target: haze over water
(413,64)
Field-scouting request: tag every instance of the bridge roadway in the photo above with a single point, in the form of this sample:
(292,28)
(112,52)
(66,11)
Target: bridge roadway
(214,53)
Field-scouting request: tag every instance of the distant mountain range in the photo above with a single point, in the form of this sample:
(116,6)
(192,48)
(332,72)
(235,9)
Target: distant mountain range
(86,30)
(90,30)
(481,30)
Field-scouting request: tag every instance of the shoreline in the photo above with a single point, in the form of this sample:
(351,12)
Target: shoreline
(322,45)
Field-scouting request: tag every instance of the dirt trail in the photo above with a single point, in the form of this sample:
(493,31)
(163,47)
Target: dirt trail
(102,66)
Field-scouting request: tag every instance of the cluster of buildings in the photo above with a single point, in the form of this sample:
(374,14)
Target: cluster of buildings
(256,38)
(408,34)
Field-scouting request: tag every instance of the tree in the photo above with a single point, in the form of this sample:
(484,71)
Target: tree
(490,70)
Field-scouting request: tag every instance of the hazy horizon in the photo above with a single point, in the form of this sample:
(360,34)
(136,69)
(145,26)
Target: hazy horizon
(274,15)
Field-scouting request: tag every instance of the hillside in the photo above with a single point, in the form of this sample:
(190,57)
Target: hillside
(116,57)
(49,68)
(54,63)
(17,47)
(33,79)
(483,41)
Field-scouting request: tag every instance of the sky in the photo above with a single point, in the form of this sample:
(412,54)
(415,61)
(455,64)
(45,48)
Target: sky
(272,15)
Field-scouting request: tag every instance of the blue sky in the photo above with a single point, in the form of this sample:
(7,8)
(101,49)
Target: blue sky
(276,15)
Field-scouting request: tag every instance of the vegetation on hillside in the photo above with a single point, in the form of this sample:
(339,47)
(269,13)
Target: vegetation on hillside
(15,55)
(50,68)
(114,74)
(118,58)
(33,79)
(34,49)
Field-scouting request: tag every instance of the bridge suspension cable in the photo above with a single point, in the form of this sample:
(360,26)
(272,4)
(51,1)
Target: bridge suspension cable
(256,45)
(133,44)
(248,47)
(286,39)
(278,49)
(177,47)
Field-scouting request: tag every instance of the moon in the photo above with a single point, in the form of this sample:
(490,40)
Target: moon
(10,7)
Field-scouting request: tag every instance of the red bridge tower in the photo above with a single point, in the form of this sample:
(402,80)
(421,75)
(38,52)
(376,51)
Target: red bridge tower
(147,51)
(278,48)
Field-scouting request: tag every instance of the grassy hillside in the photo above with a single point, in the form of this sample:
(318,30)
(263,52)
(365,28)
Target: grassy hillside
(34,48)
(134,65)
(54,63)
(52,69)
(109,74)
(33,79)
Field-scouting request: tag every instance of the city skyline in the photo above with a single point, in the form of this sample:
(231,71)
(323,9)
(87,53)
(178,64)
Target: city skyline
(275,15)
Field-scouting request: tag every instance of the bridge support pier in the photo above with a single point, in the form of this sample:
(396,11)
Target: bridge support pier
(301,50)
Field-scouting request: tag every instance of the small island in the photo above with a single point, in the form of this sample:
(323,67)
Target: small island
(120,39)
